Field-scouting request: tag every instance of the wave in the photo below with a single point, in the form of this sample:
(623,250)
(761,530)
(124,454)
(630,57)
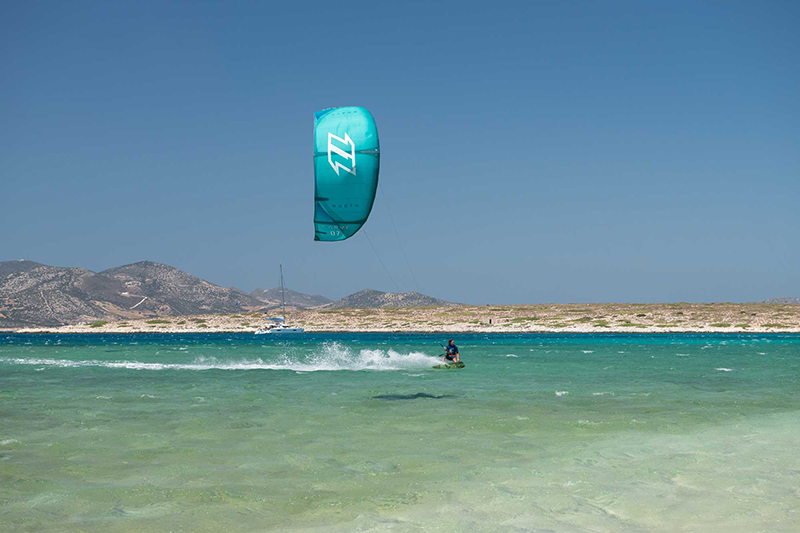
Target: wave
(330,357)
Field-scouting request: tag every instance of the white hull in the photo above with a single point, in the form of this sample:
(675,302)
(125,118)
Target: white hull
(279,329)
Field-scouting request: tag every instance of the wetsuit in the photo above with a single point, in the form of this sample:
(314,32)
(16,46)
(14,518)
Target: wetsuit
(452,352)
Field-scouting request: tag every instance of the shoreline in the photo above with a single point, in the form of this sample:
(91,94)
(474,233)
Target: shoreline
(540,318)
(39,331)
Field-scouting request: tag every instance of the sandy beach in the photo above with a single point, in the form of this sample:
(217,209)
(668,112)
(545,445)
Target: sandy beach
(566,318)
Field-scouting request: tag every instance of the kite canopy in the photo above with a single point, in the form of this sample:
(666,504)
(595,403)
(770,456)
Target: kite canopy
(346,164)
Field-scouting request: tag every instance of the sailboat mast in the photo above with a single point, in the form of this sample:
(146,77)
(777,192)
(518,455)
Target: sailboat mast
(283,297)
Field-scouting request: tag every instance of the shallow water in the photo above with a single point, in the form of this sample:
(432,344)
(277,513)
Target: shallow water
(343,432)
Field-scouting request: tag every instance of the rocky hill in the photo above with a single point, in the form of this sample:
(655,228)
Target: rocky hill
(166,290)
(272,297)
(32,294)
(373,298)
(8,268)
(784,300)
(36,294)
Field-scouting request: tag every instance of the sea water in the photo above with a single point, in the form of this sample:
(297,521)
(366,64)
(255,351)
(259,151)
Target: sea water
(356,432)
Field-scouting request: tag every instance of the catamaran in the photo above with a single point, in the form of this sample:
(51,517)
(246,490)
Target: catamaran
(278,324)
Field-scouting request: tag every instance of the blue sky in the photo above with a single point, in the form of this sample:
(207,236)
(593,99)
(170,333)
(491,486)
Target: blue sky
(531,152)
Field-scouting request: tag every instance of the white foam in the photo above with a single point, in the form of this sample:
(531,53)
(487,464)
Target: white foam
(330,356)
(682,354)
(724,369)
(587,351)
(561,392)
(602,393)
(511,355)
(8,441)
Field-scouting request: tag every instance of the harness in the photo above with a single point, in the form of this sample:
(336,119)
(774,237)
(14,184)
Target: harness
(452,351)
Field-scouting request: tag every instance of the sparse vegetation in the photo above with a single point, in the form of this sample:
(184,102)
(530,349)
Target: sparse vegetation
(589,317)
(98,324)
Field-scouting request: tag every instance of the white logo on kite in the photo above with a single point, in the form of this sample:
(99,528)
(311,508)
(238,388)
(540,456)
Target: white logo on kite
(347,156)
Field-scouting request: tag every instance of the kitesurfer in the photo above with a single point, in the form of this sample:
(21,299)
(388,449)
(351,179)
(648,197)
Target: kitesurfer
(451,352)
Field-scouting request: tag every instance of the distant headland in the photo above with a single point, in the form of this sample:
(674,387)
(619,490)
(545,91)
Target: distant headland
(154,297)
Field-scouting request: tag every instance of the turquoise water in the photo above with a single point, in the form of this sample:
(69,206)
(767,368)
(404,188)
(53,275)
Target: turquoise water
(346,432)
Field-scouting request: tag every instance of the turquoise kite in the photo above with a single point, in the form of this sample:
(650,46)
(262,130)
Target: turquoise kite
(346,164)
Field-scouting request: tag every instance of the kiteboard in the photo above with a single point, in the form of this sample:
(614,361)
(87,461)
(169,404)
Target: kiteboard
(458,364)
